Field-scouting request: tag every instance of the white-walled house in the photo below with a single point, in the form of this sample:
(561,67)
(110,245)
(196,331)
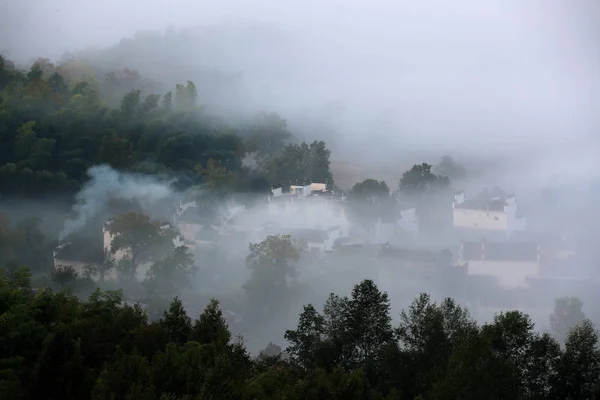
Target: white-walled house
(481,214)
(142,268)
(511,263)
(491,217)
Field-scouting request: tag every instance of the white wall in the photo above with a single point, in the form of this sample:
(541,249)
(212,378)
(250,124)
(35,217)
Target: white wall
(510,274)
(478,219)
(514,224)
(318,187)
(189,231)
(408,221)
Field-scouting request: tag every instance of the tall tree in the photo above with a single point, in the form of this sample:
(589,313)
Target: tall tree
(450,168)
(211,326)
(431,196)
(139,240)
(272,263)
(301,163)
(567,314)
(268,134)
(370,202)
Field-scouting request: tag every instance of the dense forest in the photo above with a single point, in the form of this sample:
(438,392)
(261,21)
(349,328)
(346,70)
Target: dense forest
(57,121)
(70,336)
(55,346)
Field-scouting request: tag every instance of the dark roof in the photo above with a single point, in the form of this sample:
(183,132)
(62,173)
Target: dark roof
(285,197)
(198,215)
(310,235)
(483,205)
(411,254)
(207,234)
(81,251)
(500,251)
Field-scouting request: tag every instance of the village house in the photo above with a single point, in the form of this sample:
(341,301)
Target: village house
(494,218)
(310,206)
(77,256)
(512,264)
(119,255)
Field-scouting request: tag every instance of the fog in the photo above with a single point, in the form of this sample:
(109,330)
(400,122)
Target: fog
(508,88)
(471,78)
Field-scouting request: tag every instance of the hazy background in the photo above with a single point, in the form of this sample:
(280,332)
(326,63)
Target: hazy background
(509,88)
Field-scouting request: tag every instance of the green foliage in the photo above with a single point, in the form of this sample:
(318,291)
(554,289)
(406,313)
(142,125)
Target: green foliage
(451,169)
(55,345)
(24,244)
(431,196)
(272,263)
(567,314)
(140,240)
(419,179)
(58,121)
(370,202)
(301,163)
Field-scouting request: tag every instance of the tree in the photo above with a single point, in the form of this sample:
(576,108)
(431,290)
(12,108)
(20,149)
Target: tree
(579,366)
(567,314)
(429,333)
(451,169)
(370,202)
(211,326)
(301,163)
(130,106)
(103,268)
(172,274)
(419,179)
(185,96)
(305,339)
(167,101)
(141,239)
(63,275)
(272,263)
(368,323)
(370,190)
(431,196)
(176,324)
(267,137)
(217,179)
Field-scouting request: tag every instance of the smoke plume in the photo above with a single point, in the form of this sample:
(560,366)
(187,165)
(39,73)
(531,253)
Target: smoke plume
(105,184)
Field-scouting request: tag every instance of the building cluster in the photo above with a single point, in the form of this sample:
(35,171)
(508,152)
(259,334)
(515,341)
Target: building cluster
(488,247)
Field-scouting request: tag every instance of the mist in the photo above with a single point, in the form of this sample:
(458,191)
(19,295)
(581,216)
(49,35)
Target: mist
(475,79)
(107,184)
(507,88)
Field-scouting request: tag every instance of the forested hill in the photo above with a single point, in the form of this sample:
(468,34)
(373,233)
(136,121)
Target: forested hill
(58,120)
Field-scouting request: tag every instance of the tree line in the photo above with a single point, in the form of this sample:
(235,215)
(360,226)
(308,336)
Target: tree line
(56,121)
(55,345)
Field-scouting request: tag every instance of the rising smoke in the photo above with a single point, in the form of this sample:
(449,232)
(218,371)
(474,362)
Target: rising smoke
(105,184)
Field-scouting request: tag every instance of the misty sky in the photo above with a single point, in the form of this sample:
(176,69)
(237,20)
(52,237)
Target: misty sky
(462,76)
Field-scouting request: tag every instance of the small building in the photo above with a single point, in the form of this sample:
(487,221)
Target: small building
(494,219)
(315,239)
(79,254)
(511,263)
(194,218)
(206,237)
(481,214)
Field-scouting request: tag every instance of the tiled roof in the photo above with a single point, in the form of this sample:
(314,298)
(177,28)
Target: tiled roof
(408,254)
(198,215)
(482,205)
(500,251)
(310,235)
(206,234)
